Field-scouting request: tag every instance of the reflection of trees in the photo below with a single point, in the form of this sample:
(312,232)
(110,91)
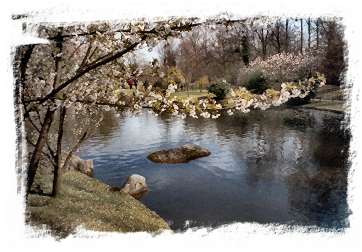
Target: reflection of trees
(108,124)
(168,124)
(271,150)
(332,143)
(298,120)
(76,120)
(320,198)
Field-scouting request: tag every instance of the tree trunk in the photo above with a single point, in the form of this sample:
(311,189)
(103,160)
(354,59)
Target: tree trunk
(286,35)
(58,156)
(309,31)
(37,153)
(57,58)
(21,60)
(263,41)
(277,37)
(317,33)
(245,50)
(301,36)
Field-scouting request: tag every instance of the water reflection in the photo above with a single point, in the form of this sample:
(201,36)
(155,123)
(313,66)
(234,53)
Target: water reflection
(261,168)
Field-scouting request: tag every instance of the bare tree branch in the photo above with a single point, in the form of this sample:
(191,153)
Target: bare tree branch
(75,147)
(85,58)
(47,155)
(51,151)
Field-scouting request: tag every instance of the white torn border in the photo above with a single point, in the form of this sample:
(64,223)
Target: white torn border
(230,237)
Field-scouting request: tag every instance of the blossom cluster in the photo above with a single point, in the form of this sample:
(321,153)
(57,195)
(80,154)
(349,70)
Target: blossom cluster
(240,99)
(284,66)
(106,87)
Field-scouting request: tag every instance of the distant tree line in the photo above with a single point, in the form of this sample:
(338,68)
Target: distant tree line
(224,52)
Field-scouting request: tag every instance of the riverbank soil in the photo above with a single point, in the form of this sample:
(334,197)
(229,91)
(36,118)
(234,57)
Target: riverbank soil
(85,201)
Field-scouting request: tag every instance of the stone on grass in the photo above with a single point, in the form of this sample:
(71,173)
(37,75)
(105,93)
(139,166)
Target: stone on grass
(84,166)
(135,186)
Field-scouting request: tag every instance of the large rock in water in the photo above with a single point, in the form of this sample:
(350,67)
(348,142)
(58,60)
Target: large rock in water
(182,154)
(136,186)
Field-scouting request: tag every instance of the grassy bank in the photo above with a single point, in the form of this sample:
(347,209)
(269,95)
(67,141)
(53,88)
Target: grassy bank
(326,105)
(88,202)
(192,94)
(329,98)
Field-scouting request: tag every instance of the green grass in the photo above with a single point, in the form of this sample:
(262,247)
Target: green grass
(193,94)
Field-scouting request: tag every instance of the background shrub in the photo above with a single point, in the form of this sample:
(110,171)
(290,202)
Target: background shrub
(220,89)
(256,83)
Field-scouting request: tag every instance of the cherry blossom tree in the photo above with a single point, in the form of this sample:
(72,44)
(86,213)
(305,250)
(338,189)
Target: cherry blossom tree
(64,84)
(286,66)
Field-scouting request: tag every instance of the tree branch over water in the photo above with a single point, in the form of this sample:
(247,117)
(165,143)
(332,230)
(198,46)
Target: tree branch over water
(85,67)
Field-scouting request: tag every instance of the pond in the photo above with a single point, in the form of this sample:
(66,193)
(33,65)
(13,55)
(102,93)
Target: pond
(279,166)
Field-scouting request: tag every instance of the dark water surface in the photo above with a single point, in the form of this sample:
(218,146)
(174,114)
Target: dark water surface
(263,168)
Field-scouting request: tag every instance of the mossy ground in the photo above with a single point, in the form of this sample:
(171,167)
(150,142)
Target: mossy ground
(88,202)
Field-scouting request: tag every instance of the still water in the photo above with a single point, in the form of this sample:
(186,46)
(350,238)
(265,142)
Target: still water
(263,168)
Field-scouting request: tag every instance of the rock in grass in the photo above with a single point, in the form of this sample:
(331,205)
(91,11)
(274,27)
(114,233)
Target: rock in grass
(84,166)
(135,186)
(182,154)
(86,201)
